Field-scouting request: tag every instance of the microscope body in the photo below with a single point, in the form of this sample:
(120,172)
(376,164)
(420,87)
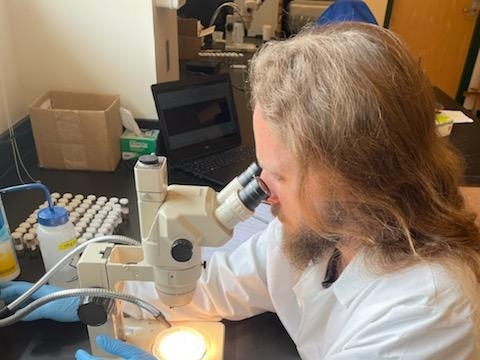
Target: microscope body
(175,221)
(245,18)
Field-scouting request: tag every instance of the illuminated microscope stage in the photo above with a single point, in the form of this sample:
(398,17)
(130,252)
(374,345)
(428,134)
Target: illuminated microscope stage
(143,334)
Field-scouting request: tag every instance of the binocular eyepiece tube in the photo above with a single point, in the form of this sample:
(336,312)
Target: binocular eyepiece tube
(239,182)
(240,204)
(253,170)
(253,193)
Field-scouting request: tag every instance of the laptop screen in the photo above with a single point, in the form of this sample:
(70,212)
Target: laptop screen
(197,116)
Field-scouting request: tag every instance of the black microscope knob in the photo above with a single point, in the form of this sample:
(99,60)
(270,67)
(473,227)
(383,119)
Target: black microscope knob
(182,250)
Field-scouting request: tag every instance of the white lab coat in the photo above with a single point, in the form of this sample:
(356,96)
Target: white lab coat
(413,314)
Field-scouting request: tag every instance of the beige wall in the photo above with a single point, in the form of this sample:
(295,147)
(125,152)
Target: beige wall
(12,105)
(378,8)
(102,46)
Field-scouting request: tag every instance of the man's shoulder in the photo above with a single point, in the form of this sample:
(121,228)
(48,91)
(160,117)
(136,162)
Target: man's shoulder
(421,284)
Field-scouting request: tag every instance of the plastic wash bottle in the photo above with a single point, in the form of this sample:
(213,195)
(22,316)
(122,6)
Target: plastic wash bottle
(56,235)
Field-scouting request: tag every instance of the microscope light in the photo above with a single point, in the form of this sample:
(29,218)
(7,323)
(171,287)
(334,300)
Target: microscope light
(180,343)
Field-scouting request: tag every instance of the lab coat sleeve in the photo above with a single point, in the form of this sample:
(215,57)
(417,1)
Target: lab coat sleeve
(233,286)
(414,333)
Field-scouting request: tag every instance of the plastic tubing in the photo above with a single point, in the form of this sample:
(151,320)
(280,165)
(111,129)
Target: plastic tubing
(83,292)
(120,239)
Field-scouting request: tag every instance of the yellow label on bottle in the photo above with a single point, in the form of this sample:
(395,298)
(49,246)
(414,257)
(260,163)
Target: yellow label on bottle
(8,264)
(67,244)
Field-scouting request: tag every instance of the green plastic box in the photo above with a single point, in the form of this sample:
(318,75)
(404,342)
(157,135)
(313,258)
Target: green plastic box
(132,146)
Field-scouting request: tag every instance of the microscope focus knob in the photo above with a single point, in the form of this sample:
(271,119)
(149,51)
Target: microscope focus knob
(229,27)
(94,310)
(182,250)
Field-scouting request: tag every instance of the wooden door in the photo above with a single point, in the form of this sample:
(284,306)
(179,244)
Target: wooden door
(439,33)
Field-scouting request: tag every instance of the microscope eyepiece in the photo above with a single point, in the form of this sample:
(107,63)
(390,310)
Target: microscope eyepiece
(245,177)
(253,193)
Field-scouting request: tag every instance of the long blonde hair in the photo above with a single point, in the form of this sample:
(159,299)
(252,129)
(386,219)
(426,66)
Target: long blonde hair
(348,97)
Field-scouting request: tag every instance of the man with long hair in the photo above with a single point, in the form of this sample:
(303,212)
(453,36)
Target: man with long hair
(372,254)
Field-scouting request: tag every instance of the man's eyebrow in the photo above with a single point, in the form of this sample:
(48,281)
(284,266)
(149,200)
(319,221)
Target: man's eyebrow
(272,172)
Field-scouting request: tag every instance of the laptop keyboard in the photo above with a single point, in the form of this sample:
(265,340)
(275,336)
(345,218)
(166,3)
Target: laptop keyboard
(218,160)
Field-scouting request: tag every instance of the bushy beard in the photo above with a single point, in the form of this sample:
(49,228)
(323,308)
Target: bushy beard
(302,246)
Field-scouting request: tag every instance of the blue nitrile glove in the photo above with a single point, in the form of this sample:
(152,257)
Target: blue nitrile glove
(115,347)
(59,310)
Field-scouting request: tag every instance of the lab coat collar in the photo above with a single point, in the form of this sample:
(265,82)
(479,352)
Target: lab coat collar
(353,279)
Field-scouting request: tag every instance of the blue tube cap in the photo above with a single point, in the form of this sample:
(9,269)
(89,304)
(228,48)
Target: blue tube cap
(52,216)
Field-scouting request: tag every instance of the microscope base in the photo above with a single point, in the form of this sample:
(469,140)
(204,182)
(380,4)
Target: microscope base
(142,333)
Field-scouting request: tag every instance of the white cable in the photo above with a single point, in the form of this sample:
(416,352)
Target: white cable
(234,6)
(21,161)
(66,259)
(94,292)
(15,150)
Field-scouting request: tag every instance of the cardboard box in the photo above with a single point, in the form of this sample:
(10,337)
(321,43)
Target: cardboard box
(132,146)
(77,131)
(190,38)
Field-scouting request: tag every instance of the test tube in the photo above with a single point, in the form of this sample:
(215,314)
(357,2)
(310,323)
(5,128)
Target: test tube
(82,225)
(21,230)
(96,223)
(107,228)
(78,230)
(87,201)
(75,203)
(101,202)
(32,219)
(18,243)
(102,199)
(124,208)
(100,232)
(32,245)
(91,229)
(100,216)
(84,206)
(25,225)
(87,218)
(73,218)
(63,201)
(91,211)
(109,224)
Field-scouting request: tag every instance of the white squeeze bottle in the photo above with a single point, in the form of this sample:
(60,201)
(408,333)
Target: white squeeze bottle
(56,235)
(9,268)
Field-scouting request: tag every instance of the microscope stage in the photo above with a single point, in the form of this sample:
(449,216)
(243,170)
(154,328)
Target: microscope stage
(142,333)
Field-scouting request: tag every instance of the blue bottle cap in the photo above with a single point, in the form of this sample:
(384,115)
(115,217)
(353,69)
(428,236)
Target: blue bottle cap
(52,216)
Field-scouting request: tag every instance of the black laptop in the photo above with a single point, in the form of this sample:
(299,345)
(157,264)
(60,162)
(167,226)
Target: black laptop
(199,127)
